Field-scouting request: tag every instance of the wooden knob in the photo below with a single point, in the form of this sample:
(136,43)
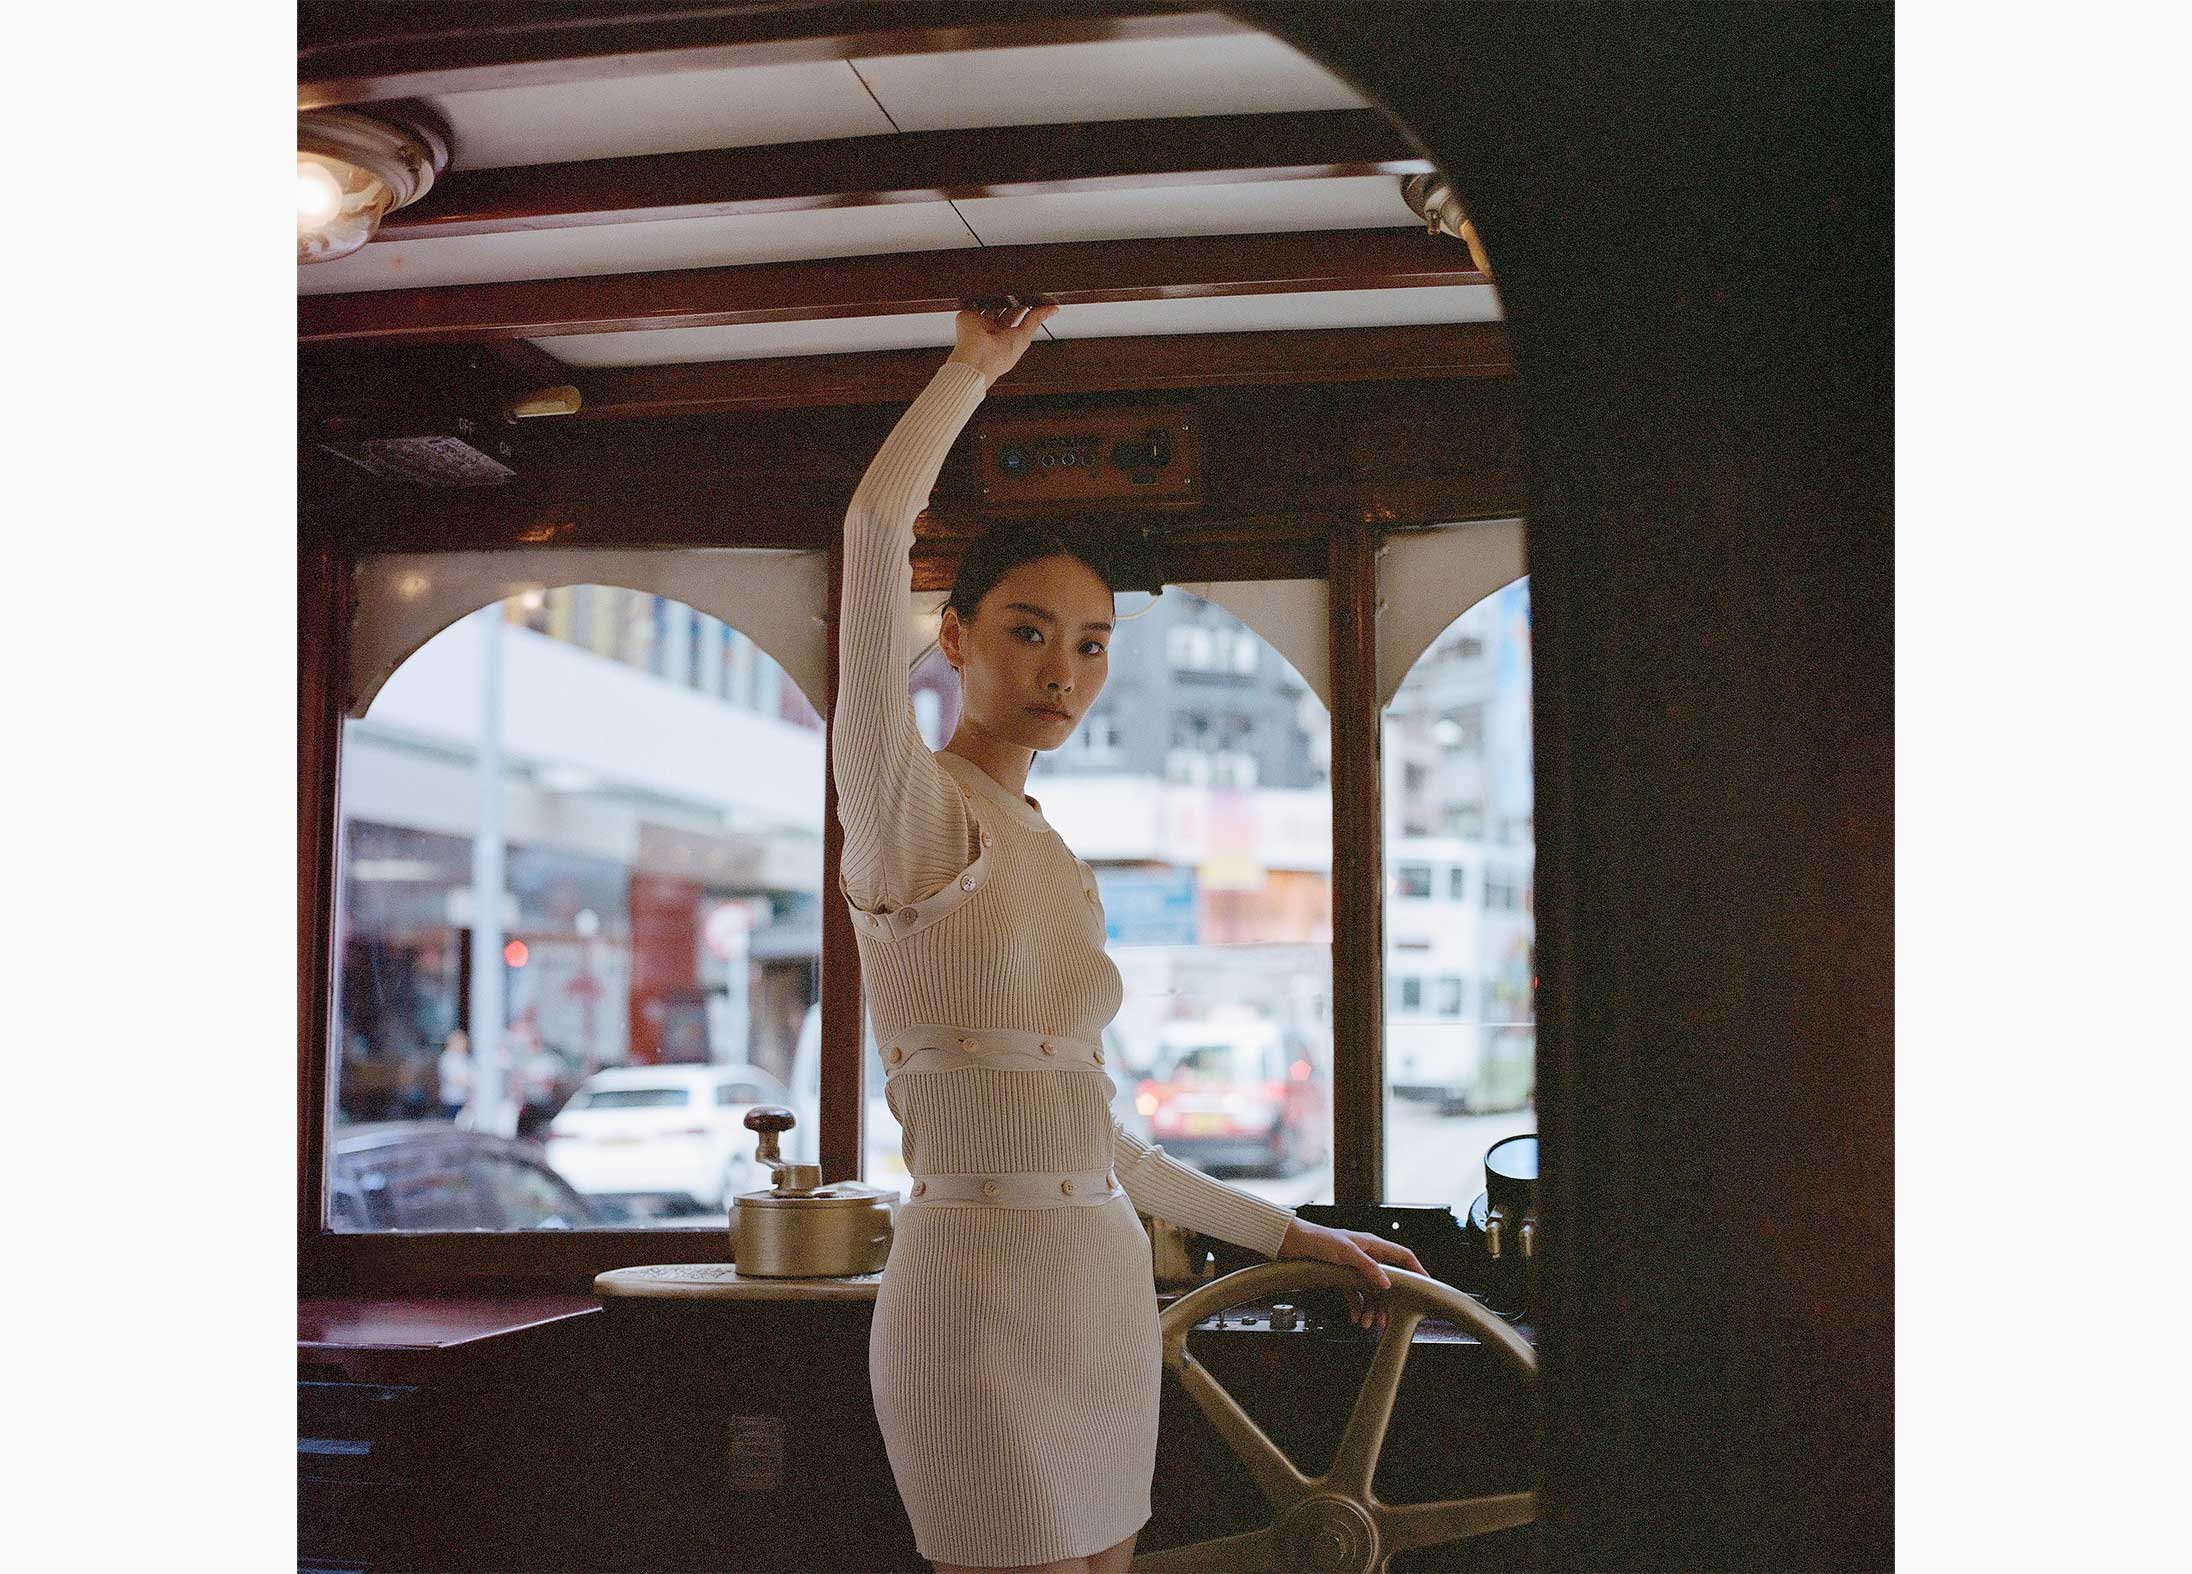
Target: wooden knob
(770,1117)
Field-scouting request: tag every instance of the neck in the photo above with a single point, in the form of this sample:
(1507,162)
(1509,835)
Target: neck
(1005,763)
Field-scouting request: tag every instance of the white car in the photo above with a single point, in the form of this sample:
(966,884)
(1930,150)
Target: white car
(635,1134)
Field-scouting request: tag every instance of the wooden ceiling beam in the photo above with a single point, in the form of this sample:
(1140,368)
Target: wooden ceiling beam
(928,281)
(924,166)
(1055,367)
(355,54)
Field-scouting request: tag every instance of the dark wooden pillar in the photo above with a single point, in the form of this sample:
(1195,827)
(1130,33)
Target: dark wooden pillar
(1358,868)
(1689,209)
(844,1110)
(323,595)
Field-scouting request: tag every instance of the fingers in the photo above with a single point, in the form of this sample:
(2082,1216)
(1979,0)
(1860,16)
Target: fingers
(1366,1310)
(1011,313)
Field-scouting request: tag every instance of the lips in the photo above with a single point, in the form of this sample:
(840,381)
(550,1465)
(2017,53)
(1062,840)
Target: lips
(1051,711)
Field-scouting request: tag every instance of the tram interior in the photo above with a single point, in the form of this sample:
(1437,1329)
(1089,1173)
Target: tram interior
(578,422)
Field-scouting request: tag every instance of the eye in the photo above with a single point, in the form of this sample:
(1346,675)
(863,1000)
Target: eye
(1095,647)
(1029,628)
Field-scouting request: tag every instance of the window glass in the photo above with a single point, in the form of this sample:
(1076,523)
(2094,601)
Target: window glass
(1460,1066)
(1198,788)
(581,831)
(526,1198)
(437,1195)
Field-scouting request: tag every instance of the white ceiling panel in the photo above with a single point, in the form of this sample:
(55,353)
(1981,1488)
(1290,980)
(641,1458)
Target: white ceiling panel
(1119,79)
(648,247)
(754,341)
(662,112)
(1354,202)
(1266,313)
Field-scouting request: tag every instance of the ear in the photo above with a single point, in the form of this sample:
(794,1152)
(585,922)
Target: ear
(947,635)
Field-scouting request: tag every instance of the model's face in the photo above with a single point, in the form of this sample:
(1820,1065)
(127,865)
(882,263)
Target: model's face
(1040,638)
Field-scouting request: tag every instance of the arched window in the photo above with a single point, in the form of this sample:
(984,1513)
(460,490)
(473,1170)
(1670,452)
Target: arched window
(578,904)
(1460,1035)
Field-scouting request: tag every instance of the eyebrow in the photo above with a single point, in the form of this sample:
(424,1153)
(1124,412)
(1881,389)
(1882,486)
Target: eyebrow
(1048,616)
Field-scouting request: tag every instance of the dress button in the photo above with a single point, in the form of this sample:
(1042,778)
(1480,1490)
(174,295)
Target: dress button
(987,838)
(1111,1178)
(919,1187)
(906,915)
(1066,1187)
(989,1188)
(967,884)
(1099,1056)
(967,1044)
(1049,1048)
(896,1054)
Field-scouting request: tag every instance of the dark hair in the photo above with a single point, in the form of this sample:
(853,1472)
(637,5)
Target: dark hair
(1003,547)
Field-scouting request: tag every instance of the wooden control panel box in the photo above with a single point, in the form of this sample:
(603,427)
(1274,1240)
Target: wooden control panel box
(1121,456)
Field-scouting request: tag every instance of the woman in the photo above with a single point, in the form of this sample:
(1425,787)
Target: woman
(1015,1357)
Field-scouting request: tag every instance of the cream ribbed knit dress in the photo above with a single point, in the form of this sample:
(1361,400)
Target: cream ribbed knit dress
(1014,1358)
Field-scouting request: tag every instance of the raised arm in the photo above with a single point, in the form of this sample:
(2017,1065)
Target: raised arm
(906,827)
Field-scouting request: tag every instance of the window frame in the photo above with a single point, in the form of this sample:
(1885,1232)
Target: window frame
(1345,559)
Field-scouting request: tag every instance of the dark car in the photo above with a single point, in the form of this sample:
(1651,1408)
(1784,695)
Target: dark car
(429,1175)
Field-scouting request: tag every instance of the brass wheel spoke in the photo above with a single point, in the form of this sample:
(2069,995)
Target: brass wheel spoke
(1254,1552)
(1274,1474)
(1428,1524)
(1357,1459)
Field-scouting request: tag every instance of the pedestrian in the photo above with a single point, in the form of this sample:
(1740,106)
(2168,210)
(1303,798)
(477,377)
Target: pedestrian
(1015,1338)
(455,1072)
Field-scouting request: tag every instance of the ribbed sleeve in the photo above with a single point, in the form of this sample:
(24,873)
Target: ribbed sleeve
(1167,1189)
(906,828)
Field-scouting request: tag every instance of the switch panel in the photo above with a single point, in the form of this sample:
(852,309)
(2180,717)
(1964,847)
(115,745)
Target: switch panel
(1116,457)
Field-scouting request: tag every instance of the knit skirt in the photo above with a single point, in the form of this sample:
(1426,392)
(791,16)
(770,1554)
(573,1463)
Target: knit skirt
(1016,1368)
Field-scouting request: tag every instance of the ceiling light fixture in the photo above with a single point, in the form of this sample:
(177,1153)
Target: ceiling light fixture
(1433,199)
(354,167)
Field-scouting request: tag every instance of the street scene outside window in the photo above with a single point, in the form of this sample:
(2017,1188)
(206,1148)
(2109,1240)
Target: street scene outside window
(641,787)
(581,1049)
(1460,1014)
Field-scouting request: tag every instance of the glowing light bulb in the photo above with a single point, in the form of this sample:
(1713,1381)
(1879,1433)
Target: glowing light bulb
(319,194)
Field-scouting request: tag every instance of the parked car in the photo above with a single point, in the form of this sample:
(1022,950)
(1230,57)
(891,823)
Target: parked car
(429,1175)
(1235,1089)
(637,1137)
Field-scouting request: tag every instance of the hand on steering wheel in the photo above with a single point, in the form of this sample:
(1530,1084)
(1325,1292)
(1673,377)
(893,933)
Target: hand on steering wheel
(1356,1249)
(993,334)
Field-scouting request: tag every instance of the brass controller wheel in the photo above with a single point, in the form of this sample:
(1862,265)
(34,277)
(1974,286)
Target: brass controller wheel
(1332,1524)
